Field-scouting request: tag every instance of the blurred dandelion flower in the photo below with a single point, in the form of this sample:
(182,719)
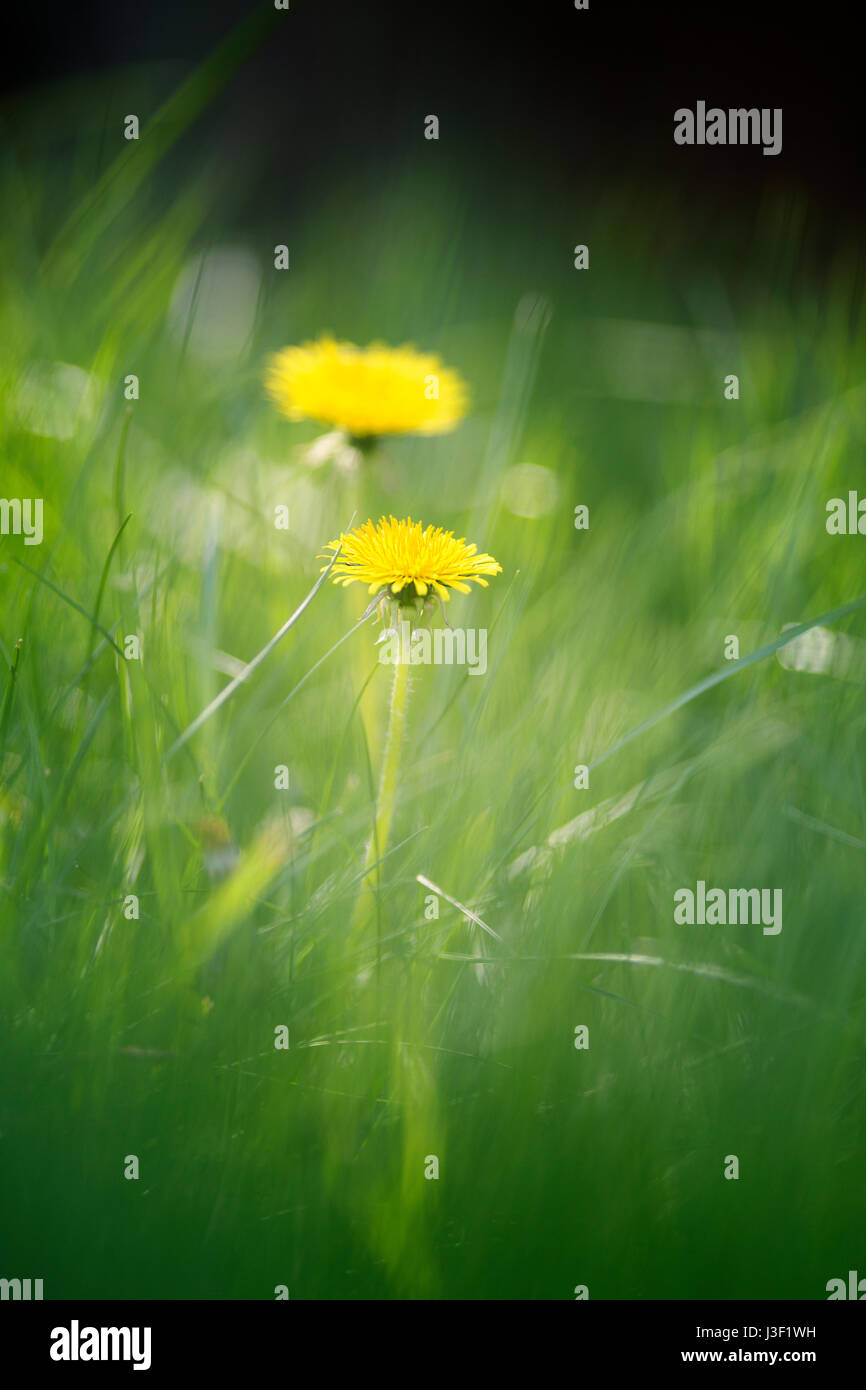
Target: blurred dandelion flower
(366,392)
(408,560)
(219,852)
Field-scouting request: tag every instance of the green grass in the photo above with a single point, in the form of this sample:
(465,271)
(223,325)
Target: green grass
(155,1037)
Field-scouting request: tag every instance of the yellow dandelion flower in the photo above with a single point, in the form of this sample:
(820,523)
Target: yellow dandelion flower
(396,554)
(367,391)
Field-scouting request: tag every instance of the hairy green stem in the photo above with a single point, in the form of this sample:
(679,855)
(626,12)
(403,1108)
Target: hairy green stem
(388,780)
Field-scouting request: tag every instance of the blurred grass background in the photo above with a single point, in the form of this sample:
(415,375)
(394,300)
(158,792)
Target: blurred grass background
(155,1037)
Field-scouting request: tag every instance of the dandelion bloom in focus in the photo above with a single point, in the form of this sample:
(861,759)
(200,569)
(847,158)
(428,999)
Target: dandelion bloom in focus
(367,392)
(402,555)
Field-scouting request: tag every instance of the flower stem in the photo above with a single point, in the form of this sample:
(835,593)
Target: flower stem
(388,780)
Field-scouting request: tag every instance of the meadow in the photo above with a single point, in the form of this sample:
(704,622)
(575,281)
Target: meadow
(422,1035)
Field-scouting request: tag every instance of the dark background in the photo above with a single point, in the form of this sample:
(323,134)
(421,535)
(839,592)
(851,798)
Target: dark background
(538,93)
